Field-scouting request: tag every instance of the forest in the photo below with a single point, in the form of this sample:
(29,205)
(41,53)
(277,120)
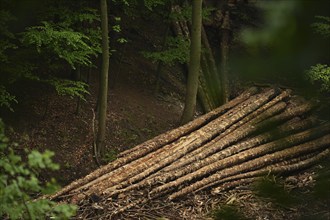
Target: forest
(165,109)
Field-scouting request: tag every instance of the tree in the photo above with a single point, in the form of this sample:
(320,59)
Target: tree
(40,50)
(194,63)
(225,41)
(103,89)
(320,73)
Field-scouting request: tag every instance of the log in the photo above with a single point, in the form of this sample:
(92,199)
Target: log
(259,133)
(155,143)
(175,150)
(244,130)
(281,167)
(165,175)
(174,134)
(308,147)
(244,156)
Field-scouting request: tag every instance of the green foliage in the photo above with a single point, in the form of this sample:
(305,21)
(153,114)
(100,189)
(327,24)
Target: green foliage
(110,155)
(322,182)
(5,16)
(227,212)
(125,2)
(150,4)
(5,35)
(279,25)
(184,14)
(68,18)
(320,73)
(177,50)
(6,99)
(323,26)
(74,47)
(11,65)
(143,8)
(267,187)
(117,28)
(69,87)
(73,38)
(282,46)
(18,182)
(82,20)
(6,38)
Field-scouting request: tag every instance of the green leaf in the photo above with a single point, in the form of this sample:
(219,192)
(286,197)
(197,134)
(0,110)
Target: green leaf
(320,73)
(19,180)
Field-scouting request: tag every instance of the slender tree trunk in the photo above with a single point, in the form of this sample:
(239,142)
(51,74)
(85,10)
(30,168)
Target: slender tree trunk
(225,41)
(194,64)
(208,64)
(78,78)
(103,88)
(160,63)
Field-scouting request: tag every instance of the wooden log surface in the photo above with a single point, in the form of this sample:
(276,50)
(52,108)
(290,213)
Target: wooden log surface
(261,131)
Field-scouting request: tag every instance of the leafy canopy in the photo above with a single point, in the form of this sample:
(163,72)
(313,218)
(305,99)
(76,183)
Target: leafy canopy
(74,47)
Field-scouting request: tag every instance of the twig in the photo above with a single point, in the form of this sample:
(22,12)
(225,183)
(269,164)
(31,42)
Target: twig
(96,155)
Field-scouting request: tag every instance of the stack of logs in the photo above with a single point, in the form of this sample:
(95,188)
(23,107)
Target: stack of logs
(260,132)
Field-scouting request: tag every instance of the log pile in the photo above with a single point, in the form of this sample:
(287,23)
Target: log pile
(260,132)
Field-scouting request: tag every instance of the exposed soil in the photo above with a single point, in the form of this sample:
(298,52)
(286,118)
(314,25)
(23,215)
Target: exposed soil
(43,120)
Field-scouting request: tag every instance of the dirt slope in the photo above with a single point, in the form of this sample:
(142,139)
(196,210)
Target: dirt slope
(43,120)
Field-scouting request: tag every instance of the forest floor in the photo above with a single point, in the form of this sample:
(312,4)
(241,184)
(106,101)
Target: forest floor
(43,120)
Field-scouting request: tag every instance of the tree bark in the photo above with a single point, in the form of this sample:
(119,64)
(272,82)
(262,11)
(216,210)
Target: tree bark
(182,145)
(209,65)
(225,42)
(250,136)
(103,88)
(254,164)
(166,175)
(194,63)
(281,167)
(157,142)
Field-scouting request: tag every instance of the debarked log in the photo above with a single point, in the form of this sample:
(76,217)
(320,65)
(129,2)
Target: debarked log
(261,132)
(265,160)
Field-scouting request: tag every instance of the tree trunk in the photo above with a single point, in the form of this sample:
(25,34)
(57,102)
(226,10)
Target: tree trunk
(103,88)
(225,42)
(78,78)
(194,63)
(204,94)
(209,65)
